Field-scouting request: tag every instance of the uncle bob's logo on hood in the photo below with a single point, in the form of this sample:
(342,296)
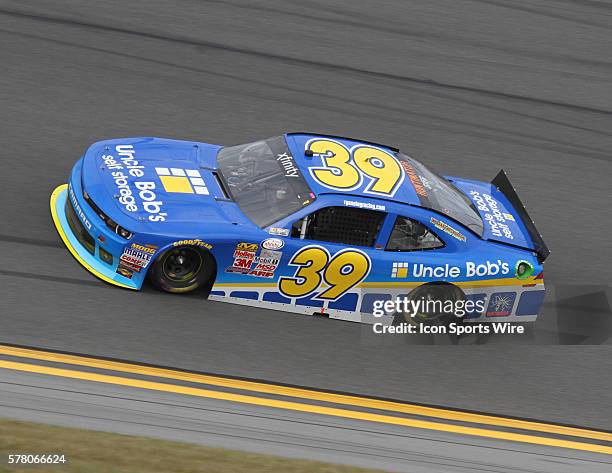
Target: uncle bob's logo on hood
(122,168)
(143,193)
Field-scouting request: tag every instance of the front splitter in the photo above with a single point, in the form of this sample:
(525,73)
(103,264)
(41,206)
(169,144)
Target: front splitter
(87,260)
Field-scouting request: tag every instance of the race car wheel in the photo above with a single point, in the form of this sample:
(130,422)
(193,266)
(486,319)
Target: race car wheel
(182,269)
(434,313)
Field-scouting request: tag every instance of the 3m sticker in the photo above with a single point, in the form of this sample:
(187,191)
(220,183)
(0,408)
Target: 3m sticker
(244,256)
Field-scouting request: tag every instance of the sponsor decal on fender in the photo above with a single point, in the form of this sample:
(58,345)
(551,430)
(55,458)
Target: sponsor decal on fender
(244,255)
(136,257)
(124,271)
(246,260)
(266,263)
(151,249)
(440,225)
(247,247)
(273,244)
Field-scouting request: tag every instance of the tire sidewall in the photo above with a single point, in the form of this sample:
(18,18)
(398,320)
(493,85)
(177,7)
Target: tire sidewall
(202,277)
(448,291)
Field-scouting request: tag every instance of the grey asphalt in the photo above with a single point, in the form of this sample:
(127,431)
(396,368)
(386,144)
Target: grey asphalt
(71,403)
(468,87)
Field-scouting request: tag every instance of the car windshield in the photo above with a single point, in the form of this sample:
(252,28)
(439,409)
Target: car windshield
(436,193)
(264,180)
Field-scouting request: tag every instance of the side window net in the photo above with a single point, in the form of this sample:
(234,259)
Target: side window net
(410,235)
(355,227)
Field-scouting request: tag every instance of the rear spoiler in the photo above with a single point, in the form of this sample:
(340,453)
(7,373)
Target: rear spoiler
(502,183)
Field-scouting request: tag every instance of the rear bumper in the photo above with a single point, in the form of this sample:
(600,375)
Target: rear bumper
(85,247)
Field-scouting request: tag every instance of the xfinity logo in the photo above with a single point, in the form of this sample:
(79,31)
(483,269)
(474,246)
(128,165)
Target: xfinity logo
(288,164)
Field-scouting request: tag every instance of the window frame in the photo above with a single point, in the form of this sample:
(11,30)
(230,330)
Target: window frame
(375,241)
(398,216)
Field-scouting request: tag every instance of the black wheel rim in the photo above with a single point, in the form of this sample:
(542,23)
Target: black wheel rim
(182,264)
(430,293)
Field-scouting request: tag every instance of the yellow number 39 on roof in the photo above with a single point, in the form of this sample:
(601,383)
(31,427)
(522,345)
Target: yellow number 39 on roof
(344,169)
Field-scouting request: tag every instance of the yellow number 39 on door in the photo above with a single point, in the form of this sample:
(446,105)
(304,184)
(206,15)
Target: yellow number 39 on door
(338,274)
(345,169)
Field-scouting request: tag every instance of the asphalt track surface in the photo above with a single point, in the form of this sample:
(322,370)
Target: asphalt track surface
(263,430)
(469,87)
(296,422)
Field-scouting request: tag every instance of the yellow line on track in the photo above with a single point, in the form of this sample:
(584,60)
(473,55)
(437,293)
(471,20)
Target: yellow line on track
(298,407)
(259,387)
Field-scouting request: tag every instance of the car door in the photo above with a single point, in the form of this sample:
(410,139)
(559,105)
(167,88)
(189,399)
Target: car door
(331,251)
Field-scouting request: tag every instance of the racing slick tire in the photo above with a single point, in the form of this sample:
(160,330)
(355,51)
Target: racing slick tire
(434,292)
(182,269)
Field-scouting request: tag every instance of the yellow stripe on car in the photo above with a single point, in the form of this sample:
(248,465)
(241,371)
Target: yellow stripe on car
(62,233)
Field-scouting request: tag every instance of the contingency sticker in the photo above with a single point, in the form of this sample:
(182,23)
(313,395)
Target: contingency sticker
(266,263)
(244,255)
(135,257)
(246,260)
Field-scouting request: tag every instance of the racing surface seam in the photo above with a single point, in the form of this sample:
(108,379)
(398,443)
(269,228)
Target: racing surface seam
(554,145)
(31,241)
(42,277)
(293,420)
(295,60)
(323,447)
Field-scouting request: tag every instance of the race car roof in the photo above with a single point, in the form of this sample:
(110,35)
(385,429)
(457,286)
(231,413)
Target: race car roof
(382,175)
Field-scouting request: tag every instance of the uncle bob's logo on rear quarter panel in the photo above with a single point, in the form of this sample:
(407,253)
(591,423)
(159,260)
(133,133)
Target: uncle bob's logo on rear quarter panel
(273,244)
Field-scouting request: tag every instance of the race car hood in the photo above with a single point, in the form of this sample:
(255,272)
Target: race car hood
(156,181)
(504,217)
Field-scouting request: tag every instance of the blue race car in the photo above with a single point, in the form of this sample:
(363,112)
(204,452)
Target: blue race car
(302,223)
